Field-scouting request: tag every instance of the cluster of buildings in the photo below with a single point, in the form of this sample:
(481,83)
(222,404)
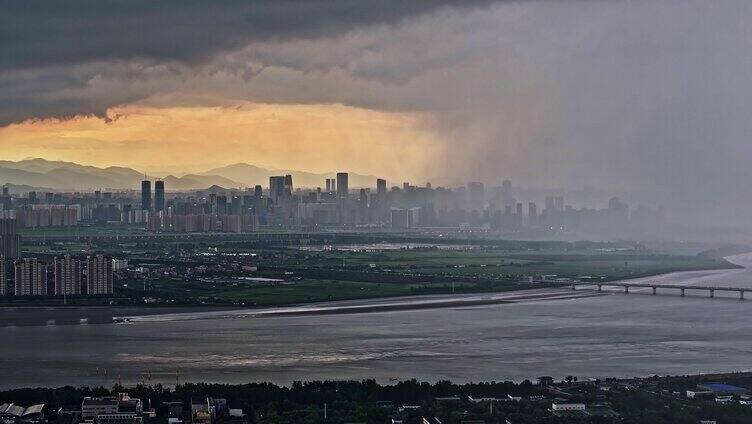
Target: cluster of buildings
(30,276)
(282,205)
(123,409)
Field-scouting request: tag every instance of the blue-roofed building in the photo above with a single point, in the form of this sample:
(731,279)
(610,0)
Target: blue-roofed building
(725,389)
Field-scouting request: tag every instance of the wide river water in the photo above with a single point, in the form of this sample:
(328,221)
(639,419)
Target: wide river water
(552,332)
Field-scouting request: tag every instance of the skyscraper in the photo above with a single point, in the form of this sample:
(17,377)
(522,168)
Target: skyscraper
(10,240)
(363,206)
(518,215)
(67,275)
(288,184)
(146,195)
(276,188)
(159,201)
(476,194)
(381,187)
(3,277)
(31,277)
(559,203)
(342,184)
(99,275)
(532,213)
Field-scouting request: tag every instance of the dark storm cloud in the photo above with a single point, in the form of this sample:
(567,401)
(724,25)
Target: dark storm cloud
(39,33)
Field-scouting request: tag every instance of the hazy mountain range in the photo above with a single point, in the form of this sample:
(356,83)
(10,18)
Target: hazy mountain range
(42,174)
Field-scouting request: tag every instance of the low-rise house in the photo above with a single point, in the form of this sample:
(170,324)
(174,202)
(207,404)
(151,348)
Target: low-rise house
(568,406)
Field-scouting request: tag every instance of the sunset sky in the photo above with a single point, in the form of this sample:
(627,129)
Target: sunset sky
(643,96)
(176,139)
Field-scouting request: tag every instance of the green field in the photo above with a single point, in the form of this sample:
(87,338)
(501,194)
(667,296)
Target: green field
(341,275)
(291,292)
(92,230)
(512,265)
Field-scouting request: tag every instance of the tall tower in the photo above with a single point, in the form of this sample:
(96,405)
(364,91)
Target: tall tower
(288,184)
(532,213)
(3,277)
(159,202)
(276,188)
(342,184)
(380,187)
(146,195)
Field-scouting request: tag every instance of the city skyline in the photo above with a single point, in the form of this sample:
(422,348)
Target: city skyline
(622,96)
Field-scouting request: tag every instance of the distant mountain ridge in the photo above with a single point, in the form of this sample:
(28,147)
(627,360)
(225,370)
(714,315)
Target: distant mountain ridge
(37,173)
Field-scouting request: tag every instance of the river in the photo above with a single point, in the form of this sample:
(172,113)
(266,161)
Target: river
(508,336)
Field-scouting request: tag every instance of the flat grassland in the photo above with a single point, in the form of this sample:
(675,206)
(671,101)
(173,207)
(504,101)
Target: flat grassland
(313,276)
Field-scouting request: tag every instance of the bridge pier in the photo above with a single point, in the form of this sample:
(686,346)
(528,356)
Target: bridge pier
(655,290)
(573,287)
(600,287)
(682,292)
(626,289)
(712,293)
(741,294)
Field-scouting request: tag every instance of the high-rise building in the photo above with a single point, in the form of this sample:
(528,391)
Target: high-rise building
(328,185)
(99,275)
(10,240)
(518,215)
(402,218)
(549,203)
(532,213)
(342,184)
(220,204)
(381,187)
(363,210)
(67,275)
(276,188)
(258,191)
(3,277)
(31,277)
(146,195)
(559,203)
(476,194)
(159,200)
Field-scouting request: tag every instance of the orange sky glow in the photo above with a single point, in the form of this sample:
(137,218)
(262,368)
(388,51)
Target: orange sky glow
(316,137)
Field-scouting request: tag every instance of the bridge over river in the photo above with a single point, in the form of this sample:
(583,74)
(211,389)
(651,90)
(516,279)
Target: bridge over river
(655,286)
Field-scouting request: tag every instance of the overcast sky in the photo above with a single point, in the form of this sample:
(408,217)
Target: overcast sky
(642,97)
